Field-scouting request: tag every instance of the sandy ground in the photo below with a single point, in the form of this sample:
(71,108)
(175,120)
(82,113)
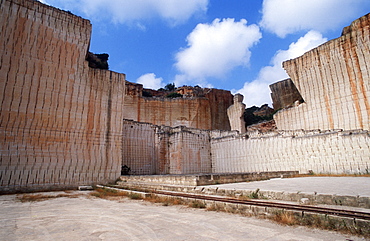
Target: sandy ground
(91,218)
(347,186)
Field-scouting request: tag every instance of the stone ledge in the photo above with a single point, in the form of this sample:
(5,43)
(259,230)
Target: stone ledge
(202,179)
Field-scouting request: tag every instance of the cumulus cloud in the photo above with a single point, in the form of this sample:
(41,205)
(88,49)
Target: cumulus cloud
(182,79)
(216,48)
(173,11)
(283,17)
(257,92)
(150,81)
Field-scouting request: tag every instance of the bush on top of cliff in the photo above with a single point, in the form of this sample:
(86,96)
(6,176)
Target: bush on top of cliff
(146,94)
(97,61)
(168,87)
(174,95)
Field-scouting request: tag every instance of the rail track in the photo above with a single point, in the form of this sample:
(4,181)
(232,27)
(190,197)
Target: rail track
(259,203)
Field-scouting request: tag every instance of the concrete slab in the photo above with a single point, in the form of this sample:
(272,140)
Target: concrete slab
(345,186)
(89,218)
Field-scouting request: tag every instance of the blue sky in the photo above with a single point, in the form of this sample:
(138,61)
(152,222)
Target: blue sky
(236,45)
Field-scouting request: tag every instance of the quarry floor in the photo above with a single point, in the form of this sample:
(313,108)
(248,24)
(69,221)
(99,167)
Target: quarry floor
(344,186)
(85,217)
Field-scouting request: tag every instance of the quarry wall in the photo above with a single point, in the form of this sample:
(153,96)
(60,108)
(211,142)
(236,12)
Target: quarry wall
(207,112)
(140,152)
(63,124)
(60,121)
(149,149)
(334,81)
(319,151)
(192,151)
(284,94)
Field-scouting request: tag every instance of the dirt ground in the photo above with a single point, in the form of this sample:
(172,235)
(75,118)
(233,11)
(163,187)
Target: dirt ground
(90,218)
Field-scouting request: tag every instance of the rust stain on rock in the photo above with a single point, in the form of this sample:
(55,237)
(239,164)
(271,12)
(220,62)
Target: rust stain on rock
(349,56)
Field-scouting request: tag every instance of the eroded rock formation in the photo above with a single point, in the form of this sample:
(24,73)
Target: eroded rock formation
(236,114)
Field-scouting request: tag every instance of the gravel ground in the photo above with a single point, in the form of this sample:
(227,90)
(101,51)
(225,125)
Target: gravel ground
(91,218)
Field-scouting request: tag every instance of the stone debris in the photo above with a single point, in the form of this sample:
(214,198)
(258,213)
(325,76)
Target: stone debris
(85,188)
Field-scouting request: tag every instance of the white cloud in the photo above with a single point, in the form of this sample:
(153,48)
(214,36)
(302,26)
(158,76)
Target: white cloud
(216,48)
(150,81)
(257,92)
(181,79)
(132,11)
(283,17)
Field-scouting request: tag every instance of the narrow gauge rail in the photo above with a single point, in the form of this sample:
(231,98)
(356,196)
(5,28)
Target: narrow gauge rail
(295,207)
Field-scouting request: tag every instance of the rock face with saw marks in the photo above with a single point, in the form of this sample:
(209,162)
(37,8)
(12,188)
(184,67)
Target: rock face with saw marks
(334,82)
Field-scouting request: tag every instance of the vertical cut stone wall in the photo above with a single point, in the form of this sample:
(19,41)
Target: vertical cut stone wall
(334,81)
(151,149)
(207,113)
(322,152)
(60,121)
(184,150)
(219,101)
(189,151)
(140,152)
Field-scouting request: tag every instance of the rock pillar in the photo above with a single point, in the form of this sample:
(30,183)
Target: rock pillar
(236,114)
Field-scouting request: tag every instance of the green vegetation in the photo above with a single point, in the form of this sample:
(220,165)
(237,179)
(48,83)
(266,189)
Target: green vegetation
(106,192)
(197,204)
(146,94)
(254,195)
(134,196)
(170,87)
(174,95)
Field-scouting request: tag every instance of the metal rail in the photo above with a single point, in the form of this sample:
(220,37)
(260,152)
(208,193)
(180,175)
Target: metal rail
(259,203)
(295,207)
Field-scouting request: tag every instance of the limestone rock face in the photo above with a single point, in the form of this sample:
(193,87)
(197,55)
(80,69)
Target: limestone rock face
(198,108)
(334,81)
(62,124)
(60,121)
(284,94)
(266,126)
(236,114)
(333,151)
(151,149)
